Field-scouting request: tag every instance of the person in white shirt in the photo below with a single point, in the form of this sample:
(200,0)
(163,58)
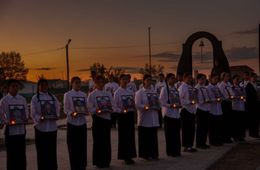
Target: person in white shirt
(170,102)
(158,87)
(100,105)
(75,107)
(125,106)
(246,79)
(179,81)
(188,97)
(111,87)
(131,84)
(45,111)
(14,113)
(238,106)
(216,115)
(147,105)
(226,90)
(202,112)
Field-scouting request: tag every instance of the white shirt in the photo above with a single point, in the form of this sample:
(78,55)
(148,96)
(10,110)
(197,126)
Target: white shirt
(145,118)
(238,104)
(178,84)
(226,90)
(75,101)
(124,99)
(187,94)
(99,99)
(132,86)
(46,125)
(167,102)
(203,97)
(7,103)
(159,85)
(214,94)
(111,87)
(91,86)
(244,83)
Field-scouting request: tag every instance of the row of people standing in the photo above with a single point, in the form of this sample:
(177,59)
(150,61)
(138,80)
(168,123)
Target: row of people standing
(178,108)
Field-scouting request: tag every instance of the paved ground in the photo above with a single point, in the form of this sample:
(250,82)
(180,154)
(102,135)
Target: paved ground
(196,161)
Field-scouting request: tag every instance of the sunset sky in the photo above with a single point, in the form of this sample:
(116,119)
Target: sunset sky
(114,32)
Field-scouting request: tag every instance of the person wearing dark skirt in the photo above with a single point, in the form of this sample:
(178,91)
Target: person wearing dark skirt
(170,102)
(188,98)
(202,112)
(238,106)
(226,90)
(147,104)
(216,115)
(100,105)
(45,110)
(14,114)
(75,107)
(252,107)
(125,106)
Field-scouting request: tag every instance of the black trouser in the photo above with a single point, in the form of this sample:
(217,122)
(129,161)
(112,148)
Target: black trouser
(202,127)
(253,123)
(227,119)
(148,142)
(216,130)
(46,147)
(101,129)
(15,151)
(172,136)
(160,117)
(77,146)
(188,128)
(126,136)
(238,131)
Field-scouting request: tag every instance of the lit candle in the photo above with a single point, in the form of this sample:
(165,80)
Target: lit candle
(98,111)
(42,117)
(232,97)
(193,102)
(125,111)
(74,114)
(242,97)
(12,122)
(218,99)
(174,105)
(146,107)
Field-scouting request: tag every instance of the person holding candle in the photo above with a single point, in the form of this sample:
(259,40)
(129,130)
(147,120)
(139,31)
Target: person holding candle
(147,105)
(216,114)
(125,106)
(202,112)
(170,101)
(188,98)
(14,114)
(75,107)
(45,110)
(226,90)
(100,105)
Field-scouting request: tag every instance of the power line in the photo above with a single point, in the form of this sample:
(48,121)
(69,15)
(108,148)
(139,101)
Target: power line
(45,51)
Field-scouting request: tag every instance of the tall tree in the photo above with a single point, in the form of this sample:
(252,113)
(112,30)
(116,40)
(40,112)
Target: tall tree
(12,66)
(155,70)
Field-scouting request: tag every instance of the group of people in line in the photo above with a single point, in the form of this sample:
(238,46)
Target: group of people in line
(219,109)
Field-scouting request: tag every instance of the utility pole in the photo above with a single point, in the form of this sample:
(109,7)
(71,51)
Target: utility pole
(67,61)
(150,55)
(259,47)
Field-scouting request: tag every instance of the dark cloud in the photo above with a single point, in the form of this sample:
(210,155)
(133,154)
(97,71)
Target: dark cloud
(43,68)
(249,31)
(129,69)
(241,53)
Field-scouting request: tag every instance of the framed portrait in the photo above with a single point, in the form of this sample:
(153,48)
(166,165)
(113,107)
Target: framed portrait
(79,104)
(205,94)
(128,102)
(174,97)
(17,114)
(193,95)
(153,101)
(48,109)
(104,103)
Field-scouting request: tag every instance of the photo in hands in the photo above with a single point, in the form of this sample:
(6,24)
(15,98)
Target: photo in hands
(17,114)
(174,97)
(193,94)
(153,101)
(128,102)
(48,109)
(104,103)
(79,104)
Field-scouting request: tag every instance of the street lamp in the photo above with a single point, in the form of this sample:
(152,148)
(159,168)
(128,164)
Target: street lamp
(67,61)
(201,51)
